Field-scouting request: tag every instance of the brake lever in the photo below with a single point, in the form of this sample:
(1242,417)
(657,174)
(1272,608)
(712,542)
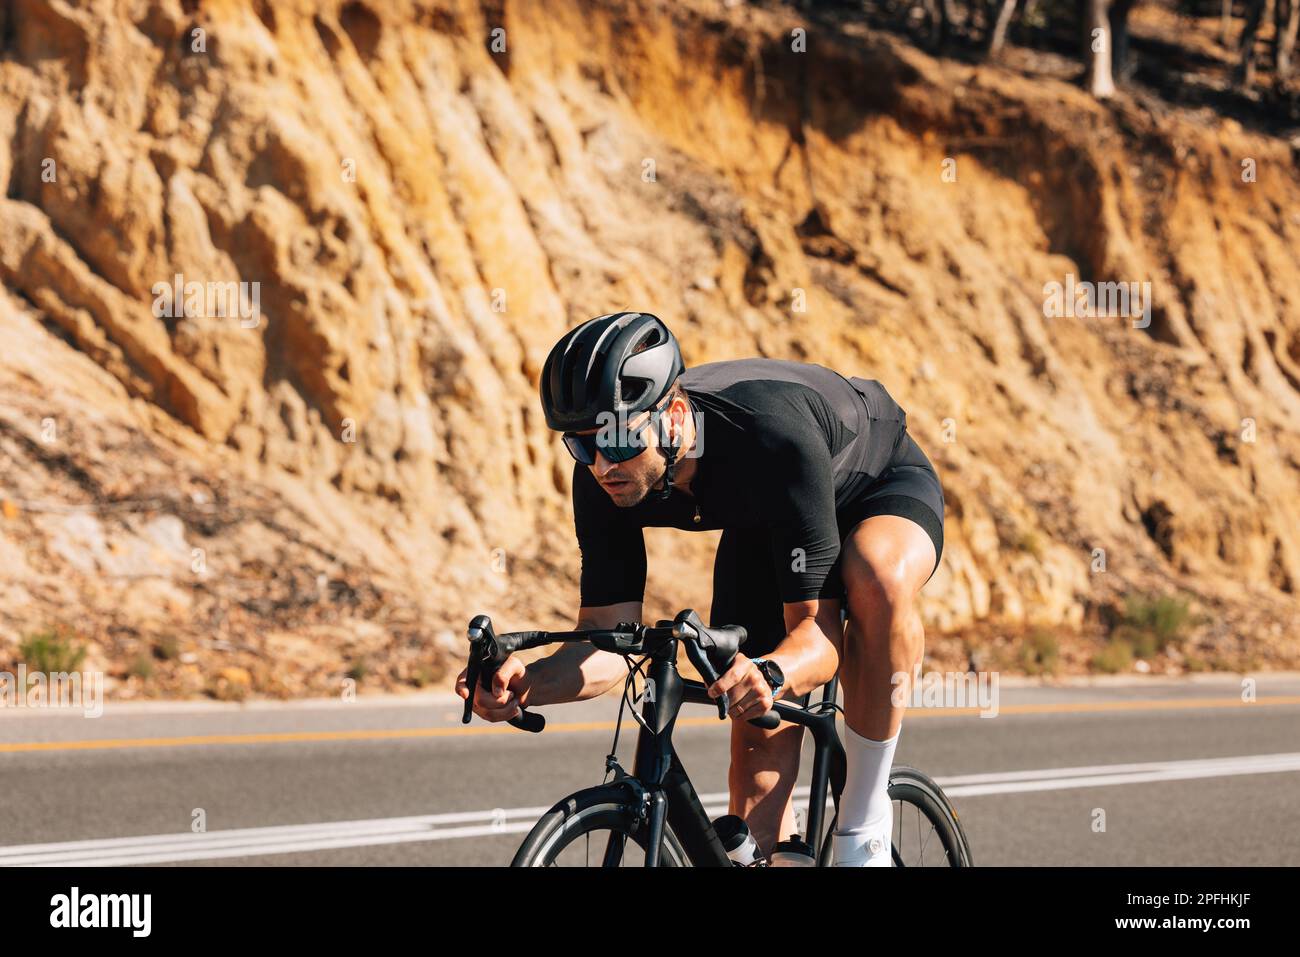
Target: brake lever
(700,659)
(484,652)
(471,682)
(710,674)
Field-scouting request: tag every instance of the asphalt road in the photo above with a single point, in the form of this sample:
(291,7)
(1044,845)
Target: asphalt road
(1185,772)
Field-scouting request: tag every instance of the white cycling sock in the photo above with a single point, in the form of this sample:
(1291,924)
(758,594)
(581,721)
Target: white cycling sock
(866,818)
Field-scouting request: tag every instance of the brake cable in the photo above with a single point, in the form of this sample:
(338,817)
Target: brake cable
(611,759)
(632,671)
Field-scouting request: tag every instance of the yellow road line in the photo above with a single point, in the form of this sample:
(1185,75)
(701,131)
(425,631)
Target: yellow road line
(282,737)
(381,734)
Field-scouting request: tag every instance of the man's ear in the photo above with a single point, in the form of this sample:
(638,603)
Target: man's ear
(678,412)
(664,421)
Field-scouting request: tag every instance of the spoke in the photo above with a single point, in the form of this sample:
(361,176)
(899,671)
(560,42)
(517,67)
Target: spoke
(918,833)
(927,837)
(897,849)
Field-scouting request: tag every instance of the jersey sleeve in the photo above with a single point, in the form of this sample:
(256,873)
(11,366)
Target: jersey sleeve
(805,536)
(612,545)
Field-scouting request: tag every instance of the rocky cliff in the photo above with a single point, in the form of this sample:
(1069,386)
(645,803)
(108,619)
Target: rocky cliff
(328,476)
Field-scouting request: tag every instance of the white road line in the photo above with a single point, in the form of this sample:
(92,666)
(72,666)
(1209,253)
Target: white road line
(285,831)
(160,848)
(1222,769)
(1104,769)
(297,838)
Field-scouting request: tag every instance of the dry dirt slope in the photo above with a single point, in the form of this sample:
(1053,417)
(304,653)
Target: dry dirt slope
(340,487)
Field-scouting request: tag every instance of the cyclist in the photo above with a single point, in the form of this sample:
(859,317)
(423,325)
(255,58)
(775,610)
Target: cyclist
(822,497)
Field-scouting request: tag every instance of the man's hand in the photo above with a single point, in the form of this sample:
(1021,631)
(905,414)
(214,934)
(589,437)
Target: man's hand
(509,694)
(748,692)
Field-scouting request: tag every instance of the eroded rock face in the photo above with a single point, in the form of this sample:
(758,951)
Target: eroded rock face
(419,213)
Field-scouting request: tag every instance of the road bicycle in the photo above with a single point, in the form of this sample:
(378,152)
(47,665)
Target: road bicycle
(653,817)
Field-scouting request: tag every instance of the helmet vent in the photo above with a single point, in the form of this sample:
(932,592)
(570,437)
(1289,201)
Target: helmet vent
(632,389)
(651,338)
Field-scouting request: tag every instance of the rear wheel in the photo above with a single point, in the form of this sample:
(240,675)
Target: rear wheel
(598,827)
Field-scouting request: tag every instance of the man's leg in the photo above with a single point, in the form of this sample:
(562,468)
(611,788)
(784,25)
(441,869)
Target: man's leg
(885,561)
(764,768)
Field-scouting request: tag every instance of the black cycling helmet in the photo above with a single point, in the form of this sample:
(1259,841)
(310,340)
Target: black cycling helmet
(623,363)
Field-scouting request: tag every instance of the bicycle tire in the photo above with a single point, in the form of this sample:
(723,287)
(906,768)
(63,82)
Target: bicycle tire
(609,809)
(916,788)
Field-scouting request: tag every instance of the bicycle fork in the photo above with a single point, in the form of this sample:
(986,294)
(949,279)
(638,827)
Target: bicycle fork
(672,798)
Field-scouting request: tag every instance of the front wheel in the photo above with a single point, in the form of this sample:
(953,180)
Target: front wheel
(598,827)
(927,832)
(925,823)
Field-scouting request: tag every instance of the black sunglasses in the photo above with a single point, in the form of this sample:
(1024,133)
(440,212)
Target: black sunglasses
(584,448)
(622,445)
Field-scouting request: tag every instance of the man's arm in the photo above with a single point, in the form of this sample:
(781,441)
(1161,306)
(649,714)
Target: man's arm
(810,653)
(578,671)
(809,656)
(574,673)
(613,571)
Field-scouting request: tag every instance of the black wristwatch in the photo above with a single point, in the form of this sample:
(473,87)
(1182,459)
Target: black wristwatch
(773,673)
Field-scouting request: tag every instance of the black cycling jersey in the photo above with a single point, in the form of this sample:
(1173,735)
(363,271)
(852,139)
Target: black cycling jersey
(787,447)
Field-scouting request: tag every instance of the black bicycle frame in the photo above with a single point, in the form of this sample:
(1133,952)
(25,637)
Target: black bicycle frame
(672,797)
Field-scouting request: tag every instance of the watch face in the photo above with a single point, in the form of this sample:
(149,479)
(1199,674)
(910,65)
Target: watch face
(773,673)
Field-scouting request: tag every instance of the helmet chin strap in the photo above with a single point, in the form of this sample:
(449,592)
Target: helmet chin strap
(670,466)
(670,452)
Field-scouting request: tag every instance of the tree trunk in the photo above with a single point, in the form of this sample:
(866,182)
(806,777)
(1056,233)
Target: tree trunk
(1119,36)
(949,16)
(942,16)
(998,38)
(1225,24)
(1287,28)
(1098,79)
(1258,12)
(947,21)
(931,8)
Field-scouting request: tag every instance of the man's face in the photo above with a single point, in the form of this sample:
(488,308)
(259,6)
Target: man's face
(628,483)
